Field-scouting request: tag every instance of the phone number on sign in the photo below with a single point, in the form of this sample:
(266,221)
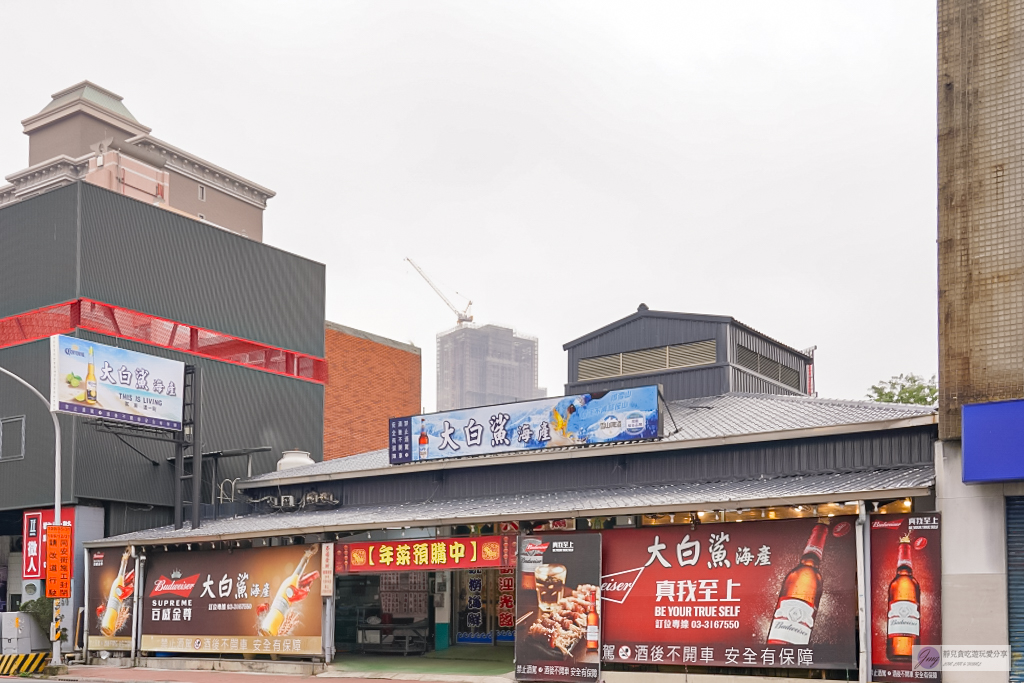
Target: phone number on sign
(713,623)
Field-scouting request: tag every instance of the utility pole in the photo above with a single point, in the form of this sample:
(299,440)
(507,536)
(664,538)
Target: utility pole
(55,660)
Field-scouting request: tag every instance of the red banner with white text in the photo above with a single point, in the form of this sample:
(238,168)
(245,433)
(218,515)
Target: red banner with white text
(779,594)
(428,554)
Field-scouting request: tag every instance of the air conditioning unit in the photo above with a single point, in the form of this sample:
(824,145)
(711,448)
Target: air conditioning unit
(287,501)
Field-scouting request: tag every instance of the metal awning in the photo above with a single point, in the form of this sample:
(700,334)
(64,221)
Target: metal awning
(622,500)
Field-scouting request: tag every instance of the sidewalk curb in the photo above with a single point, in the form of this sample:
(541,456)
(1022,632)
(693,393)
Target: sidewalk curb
(435,678)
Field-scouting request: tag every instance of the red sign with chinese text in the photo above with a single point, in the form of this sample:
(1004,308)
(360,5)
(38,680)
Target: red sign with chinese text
(425,554)
(757,594)
(58,561)
(906,596)
(34,525)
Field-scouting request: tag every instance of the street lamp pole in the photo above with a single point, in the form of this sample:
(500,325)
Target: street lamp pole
(55,659)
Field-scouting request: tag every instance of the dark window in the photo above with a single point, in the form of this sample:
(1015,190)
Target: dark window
(12,438)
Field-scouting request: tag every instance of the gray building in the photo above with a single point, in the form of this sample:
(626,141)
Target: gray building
(84,261)
(479,366)
(689,355)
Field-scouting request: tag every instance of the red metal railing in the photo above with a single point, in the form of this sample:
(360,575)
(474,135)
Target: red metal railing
(123,323)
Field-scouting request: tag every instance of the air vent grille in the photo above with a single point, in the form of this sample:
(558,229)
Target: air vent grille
(685,355)
(647,360)
(598,367)
(767,367)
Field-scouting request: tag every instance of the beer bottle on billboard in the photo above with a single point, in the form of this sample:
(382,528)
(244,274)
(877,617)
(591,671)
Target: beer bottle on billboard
(800,594)
(593,624)
(292,590)
(424,441)
(91,393)
(904,616)
(120,590)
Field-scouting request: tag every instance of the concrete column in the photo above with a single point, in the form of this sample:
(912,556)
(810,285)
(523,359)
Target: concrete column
(974,594)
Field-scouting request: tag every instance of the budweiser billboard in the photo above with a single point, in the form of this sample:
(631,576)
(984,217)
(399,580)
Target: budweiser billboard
(110,589)
(251,601)
(906,596)
(558,608)
(777,594)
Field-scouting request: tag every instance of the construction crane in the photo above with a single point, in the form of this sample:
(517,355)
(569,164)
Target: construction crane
(463,316)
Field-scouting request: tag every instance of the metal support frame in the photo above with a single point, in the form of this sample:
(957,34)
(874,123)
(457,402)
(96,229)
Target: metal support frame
(189,440)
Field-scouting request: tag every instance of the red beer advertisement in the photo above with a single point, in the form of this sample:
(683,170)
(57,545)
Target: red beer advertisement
(906,596)
(779,594)
(110,590)
(242,602)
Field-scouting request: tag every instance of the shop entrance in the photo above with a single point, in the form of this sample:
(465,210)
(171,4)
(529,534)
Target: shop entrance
(484,606)
(420,611)
(384,613)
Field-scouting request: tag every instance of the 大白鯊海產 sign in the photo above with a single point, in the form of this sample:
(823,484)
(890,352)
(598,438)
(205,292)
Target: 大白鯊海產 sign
(597,417)
(106,382)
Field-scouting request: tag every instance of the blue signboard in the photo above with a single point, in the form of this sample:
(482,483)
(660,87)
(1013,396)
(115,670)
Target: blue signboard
(993,441)
(599,417)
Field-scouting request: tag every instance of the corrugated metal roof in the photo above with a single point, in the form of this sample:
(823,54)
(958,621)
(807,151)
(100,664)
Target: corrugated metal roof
(736,414)
(697,419)
(839,486)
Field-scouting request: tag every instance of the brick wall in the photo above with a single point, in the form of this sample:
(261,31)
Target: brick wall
(370,379)
(981,205)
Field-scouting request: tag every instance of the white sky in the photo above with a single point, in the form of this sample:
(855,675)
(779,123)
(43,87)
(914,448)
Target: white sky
(556,162)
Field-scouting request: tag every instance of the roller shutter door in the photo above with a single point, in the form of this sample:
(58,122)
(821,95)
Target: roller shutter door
(1015,584)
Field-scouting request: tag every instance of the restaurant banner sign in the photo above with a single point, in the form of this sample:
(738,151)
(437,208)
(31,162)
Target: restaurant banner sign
(425,554)
(906,597)
(109,611)
(779,594)
(598,417)
(249,601)
(106,382)
(558,610)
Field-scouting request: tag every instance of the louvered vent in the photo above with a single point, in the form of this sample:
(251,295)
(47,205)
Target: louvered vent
(763,365)
(747,358)
(647,360)
(598,367)
(685,355)
(769,368)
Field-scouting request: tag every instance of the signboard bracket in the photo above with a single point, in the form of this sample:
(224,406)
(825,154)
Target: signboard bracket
(189,440)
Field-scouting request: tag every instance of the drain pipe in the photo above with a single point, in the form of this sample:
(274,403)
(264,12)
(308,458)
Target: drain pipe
(140,567)
(863,590)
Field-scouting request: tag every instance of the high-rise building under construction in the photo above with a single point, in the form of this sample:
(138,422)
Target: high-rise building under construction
(478,366)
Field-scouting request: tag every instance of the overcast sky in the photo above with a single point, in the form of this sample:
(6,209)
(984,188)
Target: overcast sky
(556,162)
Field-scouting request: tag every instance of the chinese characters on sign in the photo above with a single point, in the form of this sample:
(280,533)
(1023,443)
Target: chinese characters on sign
(35,524)
(103,381)
(558,611)
(472,620)
(722,595)
(506,605)
(427,554)
(58,561)
(259,600)
(906,596)
(599,417)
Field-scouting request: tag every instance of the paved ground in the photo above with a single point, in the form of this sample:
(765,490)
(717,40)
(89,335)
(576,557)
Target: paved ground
(102,674)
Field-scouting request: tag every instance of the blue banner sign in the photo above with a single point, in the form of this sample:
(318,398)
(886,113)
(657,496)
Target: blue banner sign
(993,441)
(107,382)
(599,417)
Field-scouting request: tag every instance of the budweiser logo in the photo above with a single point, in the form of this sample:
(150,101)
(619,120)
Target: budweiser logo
(535,547)
(886,523)
(177,586)
(617,587)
